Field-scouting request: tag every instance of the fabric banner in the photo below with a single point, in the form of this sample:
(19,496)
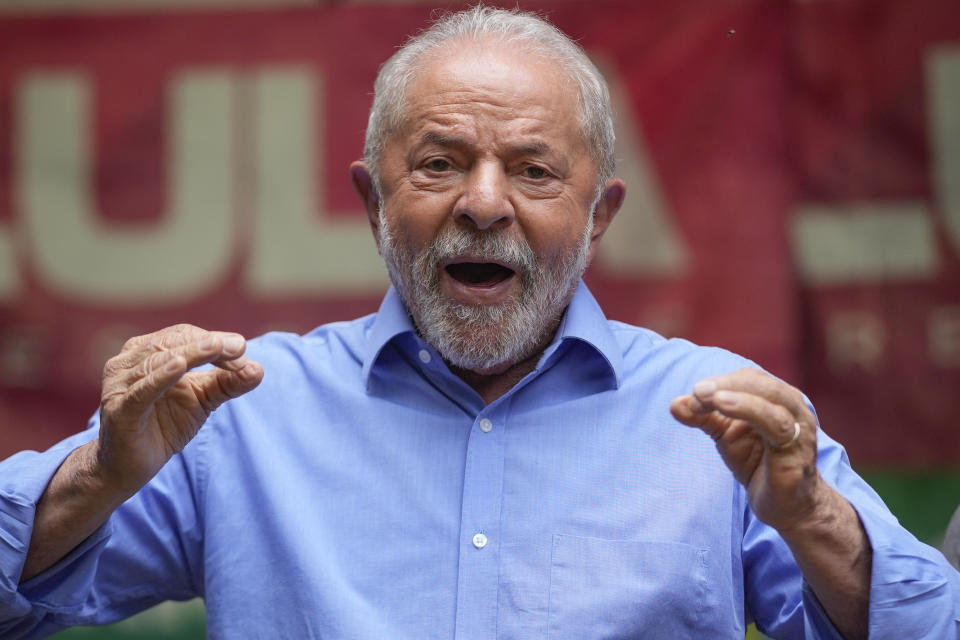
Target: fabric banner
(793,176)
(874,122)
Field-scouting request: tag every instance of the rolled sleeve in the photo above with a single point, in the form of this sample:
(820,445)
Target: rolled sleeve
(150,549)
(23,479)
(914,591)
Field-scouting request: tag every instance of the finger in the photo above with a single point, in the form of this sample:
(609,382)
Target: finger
(689,410)
(129,404)
(223,349)
(190,355)
(774,422)
(213,387)
(179,336)
(164,339)
(127,366)
(232,353)
(756,382)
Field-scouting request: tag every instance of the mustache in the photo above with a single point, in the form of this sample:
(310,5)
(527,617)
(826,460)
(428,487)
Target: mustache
(487,245)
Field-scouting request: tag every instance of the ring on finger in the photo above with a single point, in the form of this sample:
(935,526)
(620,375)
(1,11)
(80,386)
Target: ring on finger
(791,441)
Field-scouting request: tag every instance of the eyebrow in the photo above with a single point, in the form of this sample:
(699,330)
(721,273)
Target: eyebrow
(532,149)
(444,140)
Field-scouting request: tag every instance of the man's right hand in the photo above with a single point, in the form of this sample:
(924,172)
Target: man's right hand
(152,405)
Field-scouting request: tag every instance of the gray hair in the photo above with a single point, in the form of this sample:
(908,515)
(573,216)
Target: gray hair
(509,26)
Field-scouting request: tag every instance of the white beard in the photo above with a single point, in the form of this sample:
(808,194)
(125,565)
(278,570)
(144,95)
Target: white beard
(483,338)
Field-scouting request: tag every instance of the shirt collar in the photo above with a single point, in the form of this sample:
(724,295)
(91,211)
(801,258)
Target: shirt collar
(391,321)
(583,321)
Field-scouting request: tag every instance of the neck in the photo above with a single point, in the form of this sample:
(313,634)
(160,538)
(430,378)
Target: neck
(491,386)
(496,382)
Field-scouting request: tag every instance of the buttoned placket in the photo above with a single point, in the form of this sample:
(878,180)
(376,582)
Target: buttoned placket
(478,579)
(479,538)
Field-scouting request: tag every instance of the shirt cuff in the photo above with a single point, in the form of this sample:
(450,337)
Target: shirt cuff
(914,592)
(25,477)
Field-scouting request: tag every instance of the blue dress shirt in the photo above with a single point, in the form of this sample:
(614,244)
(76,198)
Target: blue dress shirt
(363,491)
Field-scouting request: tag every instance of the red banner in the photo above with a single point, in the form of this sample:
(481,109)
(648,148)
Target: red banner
(792,192)
(875,128)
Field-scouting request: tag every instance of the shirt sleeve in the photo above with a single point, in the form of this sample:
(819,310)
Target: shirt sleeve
(914,592)
(148,551)
(951,540)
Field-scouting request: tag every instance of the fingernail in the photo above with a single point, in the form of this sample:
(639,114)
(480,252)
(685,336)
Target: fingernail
(705,389)
(725,399)
(232,344)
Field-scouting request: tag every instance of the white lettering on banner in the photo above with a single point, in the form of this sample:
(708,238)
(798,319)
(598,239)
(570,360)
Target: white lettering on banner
(882,242)
(24,356)
(943,116)
(858,339)
(644,239)
(297,248)
(81,257)
(869,243)
(855,339)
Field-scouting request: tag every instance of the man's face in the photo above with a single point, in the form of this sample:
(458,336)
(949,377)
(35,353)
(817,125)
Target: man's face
(485,212)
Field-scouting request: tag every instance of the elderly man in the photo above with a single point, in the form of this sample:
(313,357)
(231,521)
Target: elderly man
(486,456)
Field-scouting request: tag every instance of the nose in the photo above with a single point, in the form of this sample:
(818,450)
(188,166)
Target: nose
(485,202)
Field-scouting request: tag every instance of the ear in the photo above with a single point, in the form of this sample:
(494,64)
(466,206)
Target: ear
(613,193)
(363,185)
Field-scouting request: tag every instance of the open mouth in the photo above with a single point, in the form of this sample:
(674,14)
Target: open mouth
(479,274)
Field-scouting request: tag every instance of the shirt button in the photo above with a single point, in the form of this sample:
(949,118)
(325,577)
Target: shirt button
(486,425)
(479,541)
(424,356)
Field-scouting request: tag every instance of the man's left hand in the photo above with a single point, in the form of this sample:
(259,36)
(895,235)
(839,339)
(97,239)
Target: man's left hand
(754,420)
(767,436)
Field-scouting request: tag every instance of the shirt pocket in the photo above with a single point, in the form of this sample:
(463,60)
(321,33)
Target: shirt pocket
(625,589)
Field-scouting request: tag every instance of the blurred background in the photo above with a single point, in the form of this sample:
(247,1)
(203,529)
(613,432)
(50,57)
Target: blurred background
(793,172)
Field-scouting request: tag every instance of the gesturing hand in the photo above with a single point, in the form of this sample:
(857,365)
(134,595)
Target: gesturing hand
(766,435)
(152,405)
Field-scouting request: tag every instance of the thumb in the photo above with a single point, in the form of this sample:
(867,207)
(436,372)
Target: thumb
(216,386)
(689,410)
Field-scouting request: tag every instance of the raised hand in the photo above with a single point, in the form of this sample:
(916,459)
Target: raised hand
(152,405)
(766,435)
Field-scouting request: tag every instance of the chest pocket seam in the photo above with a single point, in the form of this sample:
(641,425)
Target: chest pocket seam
(635,587)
